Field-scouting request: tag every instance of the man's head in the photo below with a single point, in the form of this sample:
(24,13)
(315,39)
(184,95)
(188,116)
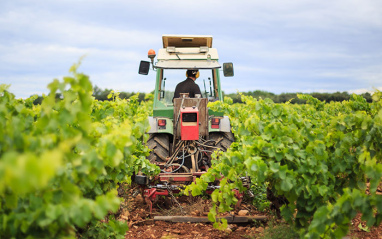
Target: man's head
(192,73)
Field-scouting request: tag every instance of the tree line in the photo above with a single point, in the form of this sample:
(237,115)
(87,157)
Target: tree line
(292,97)
(101,95)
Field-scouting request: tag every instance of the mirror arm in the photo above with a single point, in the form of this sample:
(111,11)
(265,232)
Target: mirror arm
(153,65)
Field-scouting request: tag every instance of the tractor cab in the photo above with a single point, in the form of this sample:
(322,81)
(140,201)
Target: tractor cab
(180,53)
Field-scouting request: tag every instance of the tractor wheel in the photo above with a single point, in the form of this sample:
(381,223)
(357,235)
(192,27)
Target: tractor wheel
(160,146)
(222,139)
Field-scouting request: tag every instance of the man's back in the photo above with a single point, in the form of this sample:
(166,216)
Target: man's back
(187,86)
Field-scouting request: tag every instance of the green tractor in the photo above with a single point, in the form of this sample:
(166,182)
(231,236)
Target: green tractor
(184,132)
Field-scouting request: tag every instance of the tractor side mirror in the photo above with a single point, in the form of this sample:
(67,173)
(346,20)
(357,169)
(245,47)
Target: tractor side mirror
(144,67)
(228,69)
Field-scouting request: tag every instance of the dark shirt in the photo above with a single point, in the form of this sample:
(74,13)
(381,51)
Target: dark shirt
(187,86)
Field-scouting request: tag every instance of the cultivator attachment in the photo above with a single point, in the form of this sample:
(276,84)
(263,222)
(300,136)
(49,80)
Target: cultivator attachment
(170,183)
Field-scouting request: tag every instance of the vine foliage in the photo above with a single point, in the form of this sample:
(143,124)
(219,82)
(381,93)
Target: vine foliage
(319,156)
(61,161)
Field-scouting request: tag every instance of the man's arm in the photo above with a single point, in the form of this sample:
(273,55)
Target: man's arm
(197,90)
(176,94)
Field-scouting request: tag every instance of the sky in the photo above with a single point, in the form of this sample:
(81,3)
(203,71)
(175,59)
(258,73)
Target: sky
(275,45)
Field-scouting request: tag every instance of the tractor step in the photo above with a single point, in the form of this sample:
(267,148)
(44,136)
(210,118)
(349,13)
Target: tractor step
(230,219)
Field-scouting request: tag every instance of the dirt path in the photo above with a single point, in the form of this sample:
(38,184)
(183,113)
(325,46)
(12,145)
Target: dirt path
(141,225)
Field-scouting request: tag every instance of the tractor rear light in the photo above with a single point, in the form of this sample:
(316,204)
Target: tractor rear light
(215,122)
(161,122)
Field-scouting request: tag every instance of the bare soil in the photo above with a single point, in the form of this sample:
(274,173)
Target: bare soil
(363,231)
(142,225)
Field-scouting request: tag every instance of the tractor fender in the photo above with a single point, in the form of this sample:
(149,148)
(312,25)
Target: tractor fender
(153,125)
(154,128)
(225,124)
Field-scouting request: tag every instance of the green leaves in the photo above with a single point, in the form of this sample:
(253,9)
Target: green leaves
(22,173)
(60,162)
(110,229)
(196,187)
(256,167)
(287,184)
(318,155)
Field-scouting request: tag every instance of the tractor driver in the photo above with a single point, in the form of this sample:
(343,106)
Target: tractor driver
(188,86)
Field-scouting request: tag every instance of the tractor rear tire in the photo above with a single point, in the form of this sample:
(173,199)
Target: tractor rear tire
(160,146)
(223,140)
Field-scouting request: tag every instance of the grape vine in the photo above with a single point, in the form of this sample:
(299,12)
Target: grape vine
(61,161)
(318,156)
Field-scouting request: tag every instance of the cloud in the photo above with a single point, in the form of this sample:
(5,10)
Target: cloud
(277,46)
(361,91)
(23,86)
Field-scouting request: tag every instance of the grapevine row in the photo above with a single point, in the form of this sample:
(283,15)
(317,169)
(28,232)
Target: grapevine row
(61,161)
(319,157)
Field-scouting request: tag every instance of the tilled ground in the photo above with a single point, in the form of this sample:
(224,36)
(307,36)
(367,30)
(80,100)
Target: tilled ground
(358,227)
(363,231)
(141,225)
(162,229)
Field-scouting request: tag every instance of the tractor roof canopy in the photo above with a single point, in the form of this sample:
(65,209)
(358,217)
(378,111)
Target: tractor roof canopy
(187,40)
(187,52)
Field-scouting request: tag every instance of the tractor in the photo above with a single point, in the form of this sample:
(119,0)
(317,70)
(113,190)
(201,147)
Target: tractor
(184,132)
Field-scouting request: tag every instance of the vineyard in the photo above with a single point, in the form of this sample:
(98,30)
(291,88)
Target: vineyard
(62,162)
